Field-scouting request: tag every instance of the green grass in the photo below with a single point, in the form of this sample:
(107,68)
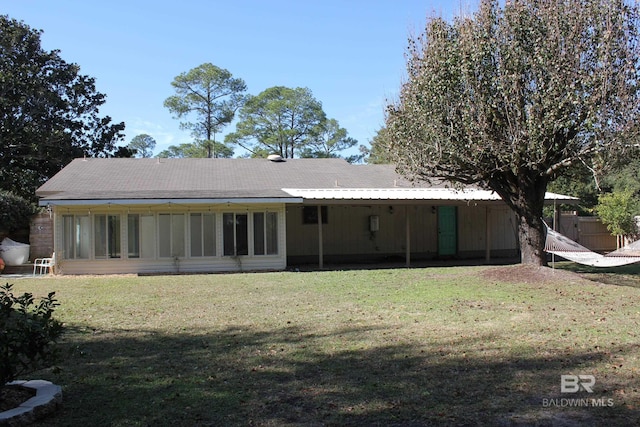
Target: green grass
(434,346)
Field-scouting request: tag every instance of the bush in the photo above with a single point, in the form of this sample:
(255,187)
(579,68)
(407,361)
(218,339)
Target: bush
(15,212)
(27,333)
(617,211)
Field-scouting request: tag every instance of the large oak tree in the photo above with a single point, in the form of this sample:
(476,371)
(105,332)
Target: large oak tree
(49,112)
(512,95)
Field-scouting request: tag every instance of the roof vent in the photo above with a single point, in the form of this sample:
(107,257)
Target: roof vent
(275,158)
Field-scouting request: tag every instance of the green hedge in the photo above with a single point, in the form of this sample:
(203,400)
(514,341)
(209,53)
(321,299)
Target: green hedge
(15,212)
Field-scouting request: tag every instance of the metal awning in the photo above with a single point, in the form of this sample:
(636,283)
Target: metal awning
(435,194)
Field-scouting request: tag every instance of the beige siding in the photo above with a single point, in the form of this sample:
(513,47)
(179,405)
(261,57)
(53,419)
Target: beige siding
(504,228)
(423,223)
(157,264)
(472,229)
(346,236)
(472,221)
(347,231)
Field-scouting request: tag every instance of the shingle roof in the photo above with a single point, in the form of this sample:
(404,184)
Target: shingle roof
(199,179)
(99,179)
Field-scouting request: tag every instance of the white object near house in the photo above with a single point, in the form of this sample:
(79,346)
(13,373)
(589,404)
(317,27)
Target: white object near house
(14,253)
(44,265)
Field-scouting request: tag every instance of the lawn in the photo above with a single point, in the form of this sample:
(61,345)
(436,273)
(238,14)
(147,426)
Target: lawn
(433,346)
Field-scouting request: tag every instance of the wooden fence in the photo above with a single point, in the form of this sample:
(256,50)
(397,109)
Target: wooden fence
(589,231)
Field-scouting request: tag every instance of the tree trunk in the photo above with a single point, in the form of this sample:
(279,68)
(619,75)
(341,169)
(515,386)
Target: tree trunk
(532,239)
(527,202)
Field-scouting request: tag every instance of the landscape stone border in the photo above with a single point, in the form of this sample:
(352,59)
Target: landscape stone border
(47,399)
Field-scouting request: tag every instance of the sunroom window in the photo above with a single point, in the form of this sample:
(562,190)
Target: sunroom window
(171,235)
(203,234)
(265,233)
(141,236)
(76,233)
(106,235)
(235,234)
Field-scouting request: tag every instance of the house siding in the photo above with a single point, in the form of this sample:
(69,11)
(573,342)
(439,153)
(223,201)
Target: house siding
(472,231)
(346,235)
(66,264)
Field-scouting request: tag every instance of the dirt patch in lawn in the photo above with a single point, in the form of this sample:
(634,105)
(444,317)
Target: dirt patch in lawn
(530,274)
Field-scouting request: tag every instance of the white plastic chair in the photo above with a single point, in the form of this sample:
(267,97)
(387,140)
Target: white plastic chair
(44,265)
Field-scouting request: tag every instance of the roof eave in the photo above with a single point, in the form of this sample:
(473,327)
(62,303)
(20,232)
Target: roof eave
(132,202)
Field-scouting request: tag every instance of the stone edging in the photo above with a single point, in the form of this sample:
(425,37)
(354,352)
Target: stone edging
(48,397)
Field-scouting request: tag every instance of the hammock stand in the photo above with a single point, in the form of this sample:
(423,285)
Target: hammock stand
(558,244)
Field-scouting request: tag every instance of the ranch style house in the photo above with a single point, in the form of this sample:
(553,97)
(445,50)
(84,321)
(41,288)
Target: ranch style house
(212,215)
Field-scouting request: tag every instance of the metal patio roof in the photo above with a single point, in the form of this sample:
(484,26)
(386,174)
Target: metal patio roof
(439,194)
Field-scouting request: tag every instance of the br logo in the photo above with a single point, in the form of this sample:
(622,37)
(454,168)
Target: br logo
(575,383)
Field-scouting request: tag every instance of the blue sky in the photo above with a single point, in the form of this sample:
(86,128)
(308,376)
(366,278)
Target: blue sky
(349,53)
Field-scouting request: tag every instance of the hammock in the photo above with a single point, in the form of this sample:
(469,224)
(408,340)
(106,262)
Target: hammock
(560,245)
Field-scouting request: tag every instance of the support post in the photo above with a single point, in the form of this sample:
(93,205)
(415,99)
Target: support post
(408,236)
(556,226)
(487,237)
(320,243)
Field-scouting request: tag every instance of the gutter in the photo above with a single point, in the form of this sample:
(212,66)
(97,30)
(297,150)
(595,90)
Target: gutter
(131,202)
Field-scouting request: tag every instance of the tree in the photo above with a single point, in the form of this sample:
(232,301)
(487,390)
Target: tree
(361,157)
(49,113)
(625,178)
(511,96)
(15,212)
(281,120)
(213,96)
(380,146)
(578,181)
(581,181)
(143,145)
(329,141)
(617,211)
(196,149)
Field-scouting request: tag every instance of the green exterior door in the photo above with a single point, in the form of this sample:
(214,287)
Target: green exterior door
(447,230)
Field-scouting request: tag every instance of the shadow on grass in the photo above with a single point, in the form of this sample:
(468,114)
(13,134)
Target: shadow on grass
(291,376)
(628,275)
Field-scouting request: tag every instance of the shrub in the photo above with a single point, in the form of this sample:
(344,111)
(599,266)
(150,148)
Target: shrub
(617,211)
(27,333)
(15,212)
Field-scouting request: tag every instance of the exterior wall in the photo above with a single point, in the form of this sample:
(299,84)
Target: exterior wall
(65,264)
(41,236)
(346,235)
(472,231)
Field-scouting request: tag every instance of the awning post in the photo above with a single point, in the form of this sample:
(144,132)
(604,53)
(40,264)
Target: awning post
(487,244)
(408,237)
(320,243)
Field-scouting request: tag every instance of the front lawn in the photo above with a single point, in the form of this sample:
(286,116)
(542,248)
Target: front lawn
(443,346)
